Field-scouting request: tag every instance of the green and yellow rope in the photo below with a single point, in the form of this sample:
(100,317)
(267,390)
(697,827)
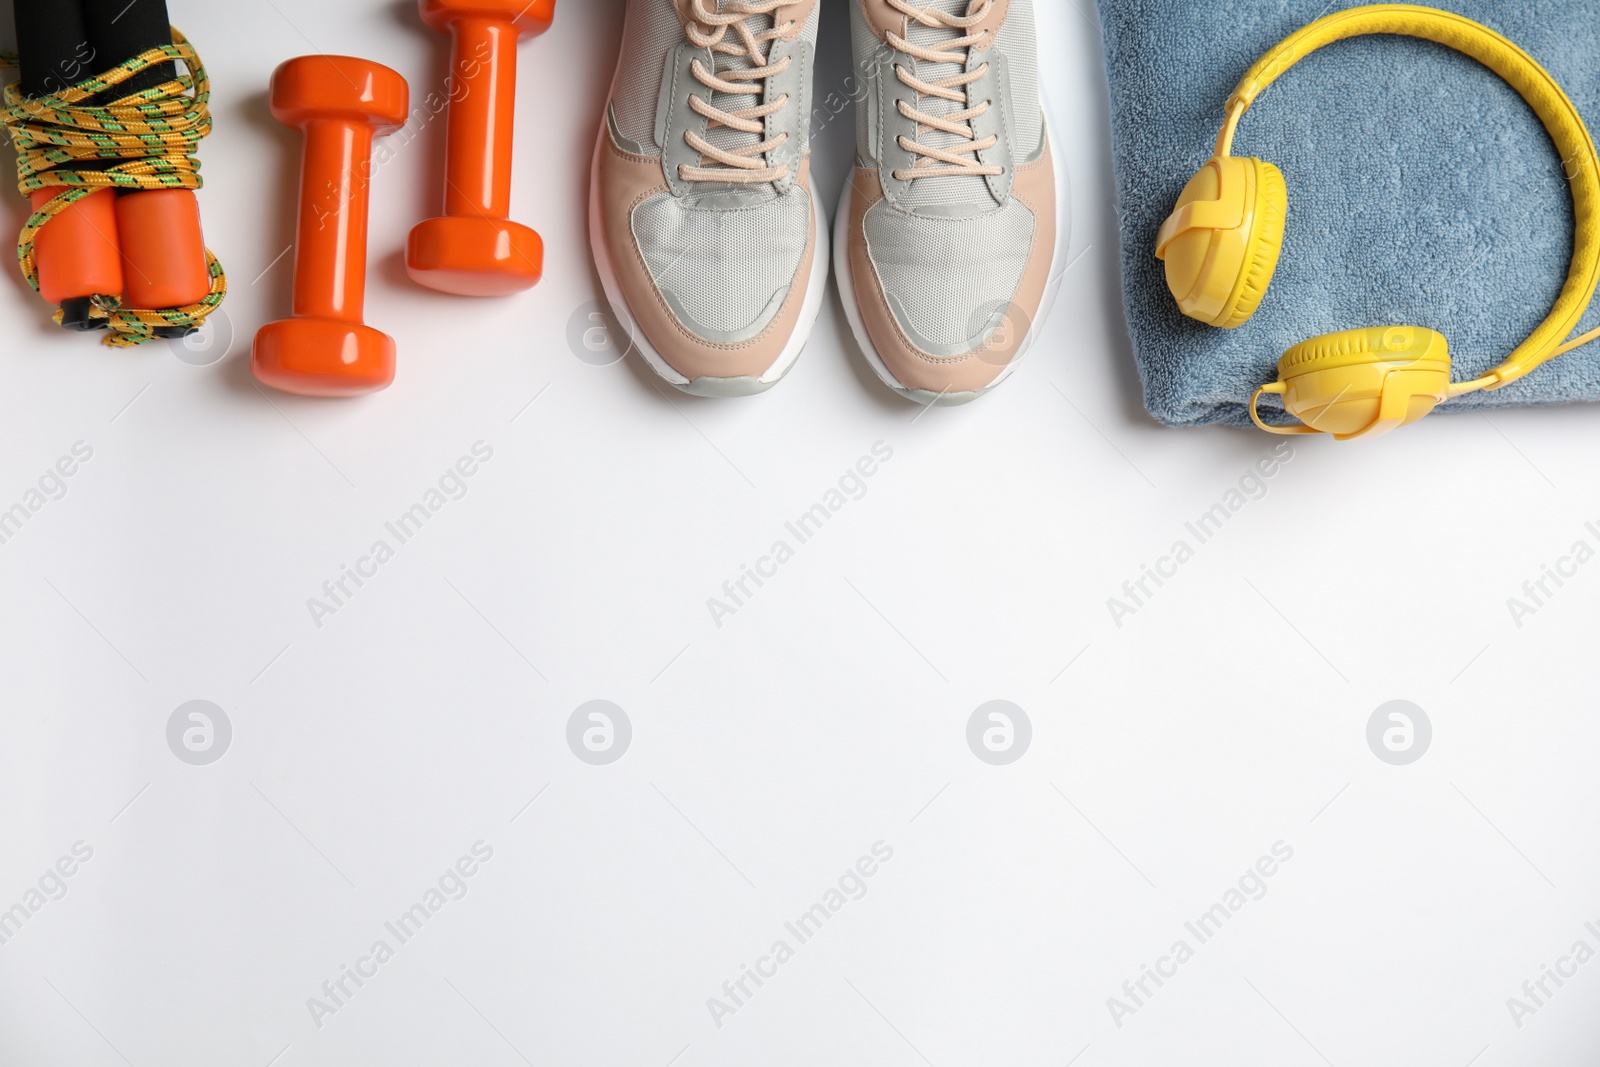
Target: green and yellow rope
(154,134)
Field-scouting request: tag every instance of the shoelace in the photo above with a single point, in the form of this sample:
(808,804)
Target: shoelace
(957,161)
(742,165)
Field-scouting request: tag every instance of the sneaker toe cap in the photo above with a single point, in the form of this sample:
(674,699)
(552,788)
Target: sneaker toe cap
(950,286)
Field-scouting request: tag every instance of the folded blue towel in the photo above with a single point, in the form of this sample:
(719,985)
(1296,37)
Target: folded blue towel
(1422,190)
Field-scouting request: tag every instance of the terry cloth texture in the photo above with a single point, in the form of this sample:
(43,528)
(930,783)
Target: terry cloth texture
(1422,191)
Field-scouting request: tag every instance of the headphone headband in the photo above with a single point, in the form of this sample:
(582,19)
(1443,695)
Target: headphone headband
(1524,74)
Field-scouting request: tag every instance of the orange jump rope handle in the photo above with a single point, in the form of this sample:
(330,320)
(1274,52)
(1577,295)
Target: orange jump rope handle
(163,248)
(475,249)
(77,252)
(341,105)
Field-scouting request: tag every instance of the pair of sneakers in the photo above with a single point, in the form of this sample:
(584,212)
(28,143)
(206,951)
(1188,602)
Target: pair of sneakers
(707,230)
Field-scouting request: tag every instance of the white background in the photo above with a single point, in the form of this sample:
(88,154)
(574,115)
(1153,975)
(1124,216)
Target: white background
(830,713)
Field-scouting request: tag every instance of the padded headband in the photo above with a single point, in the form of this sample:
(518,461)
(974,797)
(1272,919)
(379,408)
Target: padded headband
(1524,74)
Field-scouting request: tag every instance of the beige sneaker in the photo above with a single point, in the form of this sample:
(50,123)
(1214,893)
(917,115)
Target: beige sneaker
(706,230)
(946,239)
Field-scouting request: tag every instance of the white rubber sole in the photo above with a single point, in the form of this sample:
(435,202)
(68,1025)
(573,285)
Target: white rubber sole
(707,386)
(852,307)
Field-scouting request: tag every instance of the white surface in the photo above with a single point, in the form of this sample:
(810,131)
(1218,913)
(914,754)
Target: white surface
(826,715)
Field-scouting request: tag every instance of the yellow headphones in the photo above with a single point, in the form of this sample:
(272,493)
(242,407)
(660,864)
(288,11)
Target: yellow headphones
(1222,242)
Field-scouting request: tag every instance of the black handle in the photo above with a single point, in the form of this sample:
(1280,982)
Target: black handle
(54,45)
(120,30)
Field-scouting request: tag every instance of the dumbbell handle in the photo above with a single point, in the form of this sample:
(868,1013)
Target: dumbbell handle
(481,123)
(331,252)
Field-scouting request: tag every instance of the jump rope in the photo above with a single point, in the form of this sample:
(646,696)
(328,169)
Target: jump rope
(108,162)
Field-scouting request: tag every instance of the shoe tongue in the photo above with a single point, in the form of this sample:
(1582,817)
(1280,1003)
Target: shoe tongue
(927,191)
(726,137)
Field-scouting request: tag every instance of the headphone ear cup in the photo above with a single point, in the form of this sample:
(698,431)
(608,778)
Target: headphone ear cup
(1364,383)
(1265,245)
(1222,241)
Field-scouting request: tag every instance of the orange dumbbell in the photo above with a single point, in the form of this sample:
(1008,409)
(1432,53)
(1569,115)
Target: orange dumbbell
(341,105)
(475,249)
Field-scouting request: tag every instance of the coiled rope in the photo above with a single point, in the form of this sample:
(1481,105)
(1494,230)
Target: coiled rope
(154,134)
